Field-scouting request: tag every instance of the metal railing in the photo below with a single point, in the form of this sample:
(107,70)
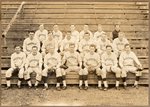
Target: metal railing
(10,24)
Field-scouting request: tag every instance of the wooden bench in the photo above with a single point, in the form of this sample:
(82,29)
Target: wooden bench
(72,78)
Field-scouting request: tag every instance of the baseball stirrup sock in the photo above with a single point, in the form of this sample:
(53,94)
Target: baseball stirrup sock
(80,77)
(124,79)
(105,84)
(80,82)
(99,83)
(8,83)
(64,82)
(44,78)
(137,78)
(86,83)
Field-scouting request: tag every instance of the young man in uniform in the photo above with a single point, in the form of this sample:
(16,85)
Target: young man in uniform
(99,32)
(127,62)
(85,29)
(33,64)
(64,45)
(41,34)
(30,42)
(52,62)
(57,34)
(74,33)
(72,62)
(110,64)
(119,43)
(92,63)
(49,42)
(17,66)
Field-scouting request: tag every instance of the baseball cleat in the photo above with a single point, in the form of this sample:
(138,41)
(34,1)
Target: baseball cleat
(58,89)
(100,88)
(64,87)
(86,87)
(105,89)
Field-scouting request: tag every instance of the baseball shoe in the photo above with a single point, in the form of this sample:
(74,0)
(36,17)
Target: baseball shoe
(125,87)
(86,88)
(19,87)
(64,87)
(58,89)
(45,88)
(100,88)
(80,87)
(135,86)
(105,89)
(7,88)
(117,88)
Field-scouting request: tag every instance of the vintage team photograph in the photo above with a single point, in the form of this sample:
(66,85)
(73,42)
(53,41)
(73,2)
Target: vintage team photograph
(74,53)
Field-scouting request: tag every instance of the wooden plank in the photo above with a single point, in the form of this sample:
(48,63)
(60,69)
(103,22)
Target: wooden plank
(68,6)
(104,11)
(77,16)
(78,21)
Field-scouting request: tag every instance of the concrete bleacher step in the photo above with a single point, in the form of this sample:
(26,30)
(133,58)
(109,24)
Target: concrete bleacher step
(72,78)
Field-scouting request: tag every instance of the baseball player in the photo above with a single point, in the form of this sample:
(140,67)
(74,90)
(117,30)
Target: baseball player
(72,62)
(30,42)
(74,33)
(85,29)
(92,63)
(17,66)
(97,35)
(49,42)
(114,34)
(57,34)
(64,45)
(102,43)
(33,64)
(118,43)
(85,43)
(127,62)
(110,64)
(52,62)
(41,34)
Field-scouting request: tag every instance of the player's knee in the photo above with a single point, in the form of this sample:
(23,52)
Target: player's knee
(44,79)
(64,77)
(85,77)
(21,79)
(59,79)
(99,78)
(80,77)
(8,78)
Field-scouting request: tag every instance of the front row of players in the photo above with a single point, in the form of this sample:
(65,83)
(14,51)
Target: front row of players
(73,61)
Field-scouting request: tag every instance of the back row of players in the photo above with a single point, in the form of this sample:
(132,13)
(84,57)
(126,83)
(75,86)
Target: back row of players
(81,52)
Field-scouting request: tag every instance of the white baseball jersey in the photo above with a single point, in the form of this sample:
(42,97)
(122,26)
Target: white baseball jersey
(109,60)
(84,45)
(52,60)
(73,59)
(75,34)
(28,44)
(64,45)
(97,35)
(58,36)
(128,59)
(18,60)
(101,45)
(49,43)
(119,45)
(92,60)
(83,32)
(41,35)
(34,61)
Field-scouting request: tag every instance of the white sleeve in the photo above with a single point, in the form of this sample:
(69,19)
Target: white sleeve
(80,46)
(24,46)
(103,60)
(45,61)
(40,61)
(24,59)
